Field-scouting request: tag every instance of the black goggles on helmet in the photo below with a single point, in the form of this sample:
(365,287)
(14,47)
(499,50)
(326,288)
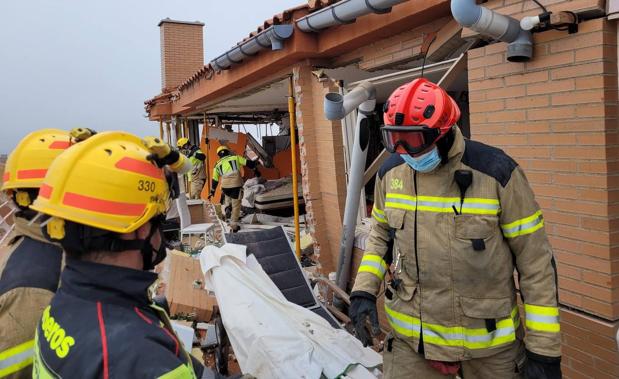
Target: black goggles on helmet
(413,139)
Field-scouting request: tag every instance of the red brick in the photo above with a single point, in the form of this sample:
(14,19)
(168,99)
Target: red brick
(485,61)
(528,102)
(476,73)
(589,208)
(576,41)
(575,71)
(590,110)
(578,97)
(529,152)
(526,78)
(580,234)
(506,92)
(599,279)
(553,60)
(578,152)
(552,165)
(486,84)
(554,113)
(570,271)
(504,69)
(567,297)
(588,126)
(584,261)
(596,223)
(597,81)
(550,87)
(597,307)
(507,116)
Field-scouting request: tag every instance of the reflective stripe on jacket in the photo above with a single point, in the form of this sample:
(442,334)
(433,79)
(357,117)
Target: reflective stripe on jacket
(456,258)
(101,324)
(29,274)
(228,171)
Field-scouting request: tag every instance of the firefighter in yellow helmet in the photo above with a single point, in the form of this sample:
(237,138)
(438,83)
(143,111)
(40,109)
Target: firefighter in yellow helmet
(462,218)
(197,175)
(106,199)
(228,171)
(29,264)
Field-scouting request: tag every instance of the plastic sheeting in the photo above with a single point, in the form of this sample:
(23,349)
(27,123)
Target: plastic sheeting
(272,337)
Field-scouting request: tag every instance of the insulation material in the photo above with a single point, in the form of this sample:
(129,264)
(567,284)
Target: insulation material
(272,337)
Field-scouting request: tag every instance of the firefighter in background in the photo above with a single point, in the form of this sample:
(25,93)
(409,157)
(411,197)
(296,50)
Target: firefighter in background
(197,175)
(464,217)
(228,171)
(30,265)
(106,198)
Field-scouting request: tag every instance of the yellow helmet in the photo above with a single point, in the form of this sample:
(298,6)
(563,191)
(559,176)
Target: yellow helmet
(222,148)
(28,162)
(182,141)
(105,182)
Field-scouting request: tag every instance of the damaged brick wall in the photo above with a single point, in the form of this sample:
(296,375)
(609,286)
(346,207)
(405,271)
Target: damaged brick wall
(322,166)
(557,116)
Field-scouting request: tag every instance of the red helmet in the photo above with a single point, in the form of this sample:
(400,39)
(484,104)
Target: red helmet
(417,115)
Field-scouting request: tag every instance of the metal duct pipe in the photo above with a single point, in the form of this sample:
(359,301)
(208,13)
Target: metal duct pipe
(495,25)
(343,12)
(271,37)
(337,107)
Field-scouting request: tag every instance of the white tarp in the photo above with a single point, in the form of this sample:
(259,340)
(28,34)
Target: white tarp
(272,337)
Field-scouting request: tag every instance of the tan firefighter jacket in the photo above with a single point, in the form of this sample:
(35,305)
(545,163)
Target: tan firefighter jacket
(29,274)
(458,291)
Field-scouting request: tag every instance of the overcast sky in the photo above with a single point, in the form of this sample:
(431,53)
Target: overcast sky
(67,63)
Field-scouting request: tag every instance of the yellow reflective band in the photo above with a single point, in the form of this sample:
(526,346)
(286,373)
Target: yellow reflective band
(438,204)
(16,358)
(523,226)
(379,215)
(181,372)
(477,338)
(373,264)
(542,319)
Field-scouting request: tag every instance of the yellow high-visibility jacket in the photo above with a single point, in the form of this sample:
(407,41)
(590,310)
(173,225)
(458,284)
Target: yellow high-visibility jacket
(456,259)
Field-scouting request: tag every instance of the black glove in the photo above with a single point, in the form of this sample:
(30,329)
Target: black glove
(257,173)
(211,194)
(542,367)
(362,305)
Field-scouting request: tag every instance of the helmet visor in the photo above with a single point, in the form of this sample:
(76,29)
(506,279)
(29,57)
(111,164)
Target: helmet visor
(408,139)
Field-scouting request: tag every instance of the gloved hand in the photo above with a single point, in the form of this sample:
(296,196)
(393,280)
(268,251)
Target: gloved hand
(362,305)
(542,367)
(81,134)
(163,154)
(257,173)
(211,194)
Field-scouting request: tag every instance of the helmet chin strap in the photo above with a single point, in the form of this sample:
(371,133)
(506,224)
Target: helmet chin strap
(148,251)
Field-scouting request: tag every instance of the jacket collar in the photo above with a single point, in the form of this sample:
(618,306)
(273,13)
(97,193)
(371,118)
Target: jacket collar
(106,283)
(24,228)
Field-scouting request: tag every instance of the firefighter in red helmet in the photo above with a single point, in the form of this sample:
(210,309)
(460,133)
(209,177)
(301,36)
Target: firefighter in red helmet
(462,217)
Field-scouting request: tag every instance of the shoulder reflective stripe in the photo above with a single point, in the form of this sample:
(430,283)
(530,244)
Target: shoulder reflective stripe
(40,370)
(543,319)
(524,226)
(373,264)
(479,338)
(181,372)
(443,204)
(379,215)
(16,358)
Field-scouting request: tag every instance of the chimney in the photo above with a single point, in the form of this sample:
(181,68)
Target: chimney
(182,51)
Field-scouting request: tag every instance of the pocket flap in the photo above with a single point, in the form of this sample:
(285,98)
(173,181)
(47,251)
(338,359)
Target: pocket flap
(395,217)
(475,227)
(486,308)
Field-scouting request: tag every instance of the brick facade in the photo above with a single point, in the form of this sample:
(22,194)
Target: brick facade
(557,116)
(322,166)
(182,51)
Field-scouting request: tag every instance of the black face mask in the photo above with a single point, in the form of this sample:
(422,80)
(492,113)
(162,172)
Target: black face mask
(151,256)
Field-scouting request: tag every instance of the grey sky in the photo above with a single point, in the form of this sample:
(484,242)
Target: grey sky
(67,63)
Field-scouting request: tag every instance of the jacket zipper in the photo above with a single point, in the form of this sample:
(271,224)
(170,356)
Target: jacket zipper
(420,348)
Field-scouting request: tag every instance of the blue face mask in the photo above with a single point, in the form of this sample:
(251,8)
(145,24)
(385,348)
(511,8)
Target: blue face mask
(423,163)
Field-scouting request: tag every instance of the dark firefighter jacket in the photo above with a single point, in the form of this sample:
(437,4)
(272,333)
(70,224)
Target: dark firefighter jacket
(456,257)
(29,274)
(102,324)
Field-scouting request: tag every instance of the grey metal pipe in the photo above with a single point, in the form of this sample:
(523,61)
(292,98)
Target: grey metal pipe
(343,12)
(495,25)
(337,107)
(272,37)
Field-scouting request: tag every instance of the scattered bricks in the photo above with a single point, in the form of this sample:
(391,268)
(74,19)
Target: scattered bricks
(526,78)
(578,70)
(550,87)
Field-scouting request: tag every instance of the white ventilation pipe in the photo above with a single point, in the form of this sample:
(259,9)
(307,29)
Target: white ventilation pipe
(344,12)
(495,25)
(336,107)
(270,38)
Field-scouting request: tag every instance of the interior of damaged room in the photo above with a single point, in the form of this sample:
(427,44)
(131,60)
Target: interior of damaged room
(310,189)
